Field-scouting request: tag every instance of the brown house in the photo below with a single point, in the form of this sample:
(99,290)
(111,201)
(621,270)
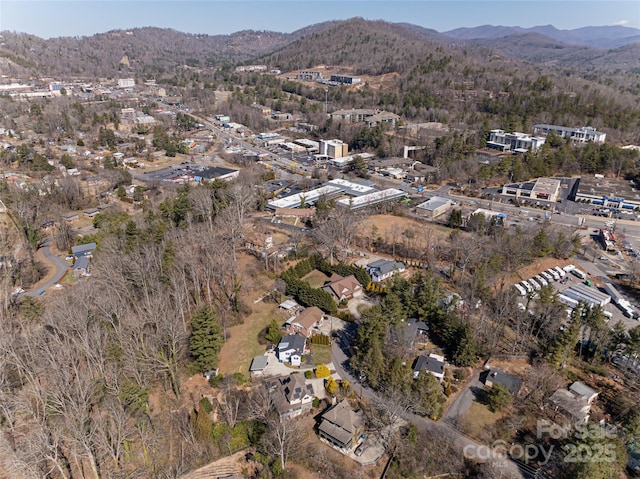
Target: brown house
(306,321)
(343,288)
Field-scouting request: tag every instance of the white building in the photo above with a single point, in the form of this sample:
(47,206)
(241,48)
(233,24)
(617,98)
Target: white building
(516,141)
(126,83)
(578,135)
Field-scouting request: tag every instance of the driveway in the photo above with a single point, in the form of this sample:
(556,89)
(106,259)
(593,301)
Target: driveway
(462,402)
(60,266)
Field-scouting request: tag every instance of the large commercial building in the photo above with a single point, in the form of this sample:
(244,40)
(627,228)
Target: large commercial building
(578,135)
(371,198)
(608,192)
(516,141)
(306,198)
(334,148)
(544,189)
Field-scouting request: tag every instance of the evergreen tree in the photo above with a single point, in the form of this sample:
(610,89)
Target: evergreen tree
(273,332)
(498,397)
(206,338)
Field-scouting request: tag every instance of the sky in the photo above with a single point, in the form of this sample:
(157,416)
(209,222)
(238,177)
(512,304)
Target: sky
(53,18)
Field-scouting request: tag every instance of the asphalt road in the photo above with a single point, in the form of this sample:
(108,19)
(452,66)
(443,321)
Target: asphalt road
(505,467)
(59,264)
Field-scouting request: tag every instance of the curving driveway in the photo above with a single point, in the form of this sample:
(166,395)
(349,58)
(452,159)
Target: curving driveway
(59,264)
(340,353)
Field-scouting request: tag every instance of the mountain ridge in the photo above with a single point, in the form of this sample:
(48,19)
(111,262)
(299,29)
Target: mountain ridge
(601,37)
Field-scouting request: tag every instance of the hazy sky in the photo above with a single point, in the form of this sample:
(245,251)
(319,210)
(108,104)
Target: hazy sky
(47,18)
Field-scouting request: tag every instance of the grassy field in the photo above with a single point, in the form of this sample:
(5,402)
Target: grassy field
(242,343)
(321,354)
(315,278)
(478,419)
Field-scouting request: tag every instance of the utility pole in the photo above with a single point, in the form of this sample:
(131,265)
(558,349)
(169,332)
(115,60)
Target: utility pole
(326,100)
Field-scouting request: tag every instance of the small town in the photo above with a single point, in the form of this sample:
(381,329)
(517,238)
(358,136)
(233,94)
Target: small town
(272,258)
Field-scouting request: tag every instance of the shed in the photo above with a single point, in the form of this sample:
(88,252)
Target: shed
(258,365)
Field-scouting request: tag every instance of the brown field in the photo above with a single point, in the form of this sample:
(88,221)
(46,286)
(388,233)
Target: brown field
(315,278)
(537,266)
(478,419)
(242,343)
(391,229)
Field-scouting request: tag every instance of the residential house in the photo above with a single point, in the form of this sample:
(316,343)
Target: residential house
(260,243)
(574,404)
(81,267)
(342,288)
(433,363)
(384,268)
(305,322)
(69,217)
(341,426)
(292,395)
(83,250)
(496,376)
(291,348)
(416,332)
(91,212)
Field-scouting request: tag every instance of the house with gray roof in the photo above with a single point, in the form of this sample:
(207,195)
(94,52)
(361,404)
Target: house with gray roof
(496,376)
(433,364)
(292,395)
(83,249)
(573,404)
(383,268)
(80,267)
(290,346)
(341,426)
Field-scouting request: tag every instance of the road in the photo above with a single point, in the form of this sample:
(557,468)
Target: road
(59,264)
(507,469)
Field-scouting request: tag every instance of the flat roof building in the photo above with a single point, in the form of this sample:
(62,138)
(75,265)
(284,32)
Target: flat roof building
(371,198)
(578,135)
(545,189)
(608,192)
(435,207)
(516,141)
(307,197)
(351,188)
(334,148)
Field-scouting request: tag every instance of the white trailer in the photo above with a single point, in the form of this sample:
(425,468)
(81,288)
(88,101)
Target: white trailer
(521,290)
(560,271)
(572,303)
(535,285)
(541,280)
(580,274)
(527,286)
(554,274)
(547,276)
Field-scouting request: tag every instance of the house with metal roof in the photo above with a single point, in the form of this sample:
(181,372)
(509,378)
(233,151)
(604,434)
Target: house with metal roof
(83,249)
